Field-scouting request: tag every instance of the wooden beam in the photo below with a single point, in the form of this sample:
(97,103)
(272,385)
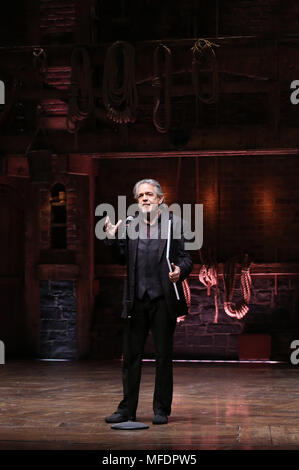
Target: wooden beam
(256,269)
(80,164)
(86,164)
(200,153)
(106,143)
(57,272)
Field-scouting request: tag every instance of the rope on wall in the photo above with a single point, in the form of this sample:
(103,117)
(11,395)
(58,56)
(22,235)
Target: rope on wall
(119,86)
(241,308)
(187,293)
(208,275)
(204,56)
(159,84)
(81,99)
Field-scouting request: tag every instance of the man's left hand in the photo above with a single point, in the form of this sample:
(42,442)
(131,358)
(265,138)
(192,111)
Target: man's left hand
(175,274)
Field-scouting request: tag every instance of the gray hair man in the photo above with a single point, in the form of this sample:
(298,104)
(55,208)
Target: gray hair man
(150,301)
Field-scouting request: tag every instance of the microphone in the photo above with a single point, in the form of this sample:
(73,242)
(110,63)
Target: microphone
(128,220)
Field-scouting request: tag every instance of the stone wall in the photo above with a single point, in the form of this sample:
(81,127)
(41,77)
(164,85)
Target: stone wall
(58,320)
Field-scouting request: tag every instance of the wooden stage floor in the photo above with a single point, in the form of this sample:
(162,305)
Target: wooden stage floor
(62,405)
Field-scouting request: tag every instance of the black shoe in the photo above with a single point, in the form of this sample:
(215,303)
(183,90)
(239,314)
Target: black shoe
(160,419)
(118,417)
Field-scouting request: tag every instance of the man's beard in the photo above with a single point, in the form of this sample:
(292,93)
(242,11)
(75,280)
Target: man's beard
(150,215)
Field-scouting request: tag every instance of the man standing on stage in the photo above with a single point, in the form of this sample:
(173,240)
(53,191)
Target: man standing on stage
(150,301)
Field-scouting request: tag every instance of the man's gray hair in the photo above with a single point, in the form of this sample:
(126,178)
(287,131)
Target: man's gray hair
(151,181)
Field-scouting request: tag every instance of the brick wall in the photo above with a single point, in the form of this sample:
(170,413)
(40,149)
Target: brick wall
(57,17)
(56,77)
(250,203)
(270,313)
(199,337)
(58,320)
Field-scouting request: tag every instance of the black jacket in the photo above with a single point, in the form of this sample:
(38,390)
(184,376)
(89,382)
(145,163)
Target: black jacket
(126,251)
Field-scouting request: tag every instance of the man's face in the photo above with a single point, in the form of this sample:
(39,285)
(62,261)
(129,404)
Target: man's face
(147,198)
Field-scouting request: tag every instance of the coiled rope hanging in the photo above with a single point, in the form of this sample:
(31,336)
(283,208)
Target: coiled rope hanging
(187,293)
(159,85)
(119,86)
(81,99)
(208,275)
(240,308)
(204,56)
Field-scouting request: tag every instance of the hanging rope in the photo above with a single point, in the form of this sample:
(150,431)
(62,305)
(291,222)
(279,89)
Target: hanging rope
(80,91)
(161,85)
(119,86)
(241,308)
(187,293)
(208,275)
(204,55)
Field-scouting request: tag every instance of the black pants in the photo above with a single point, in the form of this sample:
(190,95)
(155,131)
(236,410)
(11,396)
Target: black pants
(148,315)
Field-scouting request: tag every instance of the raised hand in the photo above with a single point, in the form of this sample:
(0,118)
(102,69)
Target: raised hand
(111,229)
